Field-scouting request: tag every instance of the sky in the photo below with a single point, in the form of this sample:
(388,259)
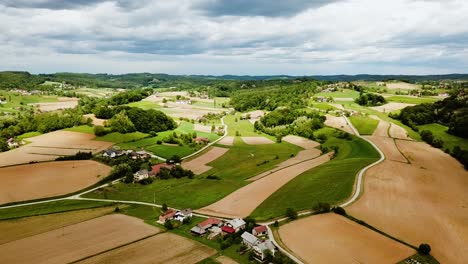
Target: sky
(242,37)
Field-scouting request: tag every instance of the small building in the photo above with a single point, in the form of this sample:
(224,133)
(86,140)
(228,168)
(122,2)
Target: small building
(197,230)
(12,143)
(228,229)
(260,230)
(139,154)
(112,153)
(249,240)
(140,175)
(168,215)
(155,169)
(260,250)
(202,140)
(181,215)
(236,224)
(210,222)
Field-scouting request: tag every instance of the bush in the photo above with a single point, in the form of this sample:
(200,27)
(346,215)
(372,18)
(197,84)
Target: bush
(291,213)
(159,142)
(339,210)
(164,207)
(424,249)
(168,225)
(321,207)
(213,177)
(100,131)
(276,223)
(78,156)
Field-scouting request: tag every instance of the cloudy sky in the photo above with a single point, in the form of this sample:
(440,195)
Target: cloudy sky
(255,37)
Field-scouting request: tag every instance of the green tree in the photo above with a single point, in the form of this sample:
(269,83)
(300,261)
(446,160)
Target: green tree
(291,213)
(121,123)
(3,144)
(424,249)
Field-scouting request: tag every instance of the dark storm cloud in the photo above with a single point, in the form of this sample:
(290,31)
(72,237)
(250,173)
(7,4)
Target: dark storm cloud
(260,7)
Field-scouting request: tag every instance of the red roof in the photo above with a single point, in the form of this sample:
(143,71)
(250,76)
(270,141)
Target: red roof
(228,229)
(168,214)
(209,222)
(156,168)
(260,229)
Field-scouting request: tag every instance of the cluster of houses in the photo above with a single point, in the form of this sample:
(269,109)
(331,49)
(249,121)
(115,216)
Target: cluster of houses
(155,169)
(178,215)
(253,241)
(114,153)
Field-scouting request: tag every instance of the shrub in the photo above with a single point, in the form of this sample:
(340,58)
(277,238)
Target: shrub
(276,223)
(159,142)
(213,177)
(78,156)
(424,249)
(291,213)
(100,131)
(164,207)
(237,134)
(339,210)
(168,225)
(321,207)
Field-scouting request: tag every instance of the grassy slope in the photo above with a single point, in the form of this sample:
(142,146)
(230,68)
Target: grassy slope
(83,129)
(450,141)
(145,105)
(245,128)
(238,164)
(364,125)
(410,99)
(331,182)
(117,137)
(20,100)
(345,94)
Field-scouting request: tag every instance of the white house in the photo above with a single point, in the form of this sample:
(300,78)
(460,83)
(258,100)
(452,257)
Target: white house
(249,240)
(237,224)
(12,143)
(181,215)
(140,175)
(261,249)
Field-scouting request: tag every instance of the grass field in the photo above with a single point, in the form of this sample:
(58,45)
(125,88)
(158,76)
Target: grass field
(238,164)
(15,100)
(116,137)
(321,106)
(83,129)
(450,141)
(28,135)
(346,93)
(410,99)
(145,105)
(49,208)
(364,125)
(244,127)
(331,182)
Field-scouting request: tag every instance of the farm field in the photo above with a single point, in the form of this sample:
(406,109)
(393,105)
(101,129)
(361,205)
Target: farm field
(49,146)
(244,127)
(241,162)
(450,141)
(198,164)
(116,137)
(402,85)
(398,132)
(364,125)
(24,227)
(406,200)
(410,99)
(338,122)
(82,129)
(72,243)
(16,100)
(331,238)
(161,248)
(331,182)
(41,180)
(390,107)
(96,121)
(62,103)
(346,93)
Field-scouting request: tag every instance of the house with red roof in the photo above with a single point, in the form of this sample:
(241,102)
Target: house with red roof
(155,169)
(260,230)
(168,215)
(228,230)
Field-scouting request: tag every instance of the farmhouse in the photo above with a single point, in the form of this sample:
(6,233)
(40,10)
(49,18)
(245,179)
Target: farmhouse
(234,225)
(139,154)
(249,240)
(140,175)
(182,215)
(210,223)
(12,143)
(262,248)
(202,140)
(112,153)
(155,169)
(259,230)
(168,215)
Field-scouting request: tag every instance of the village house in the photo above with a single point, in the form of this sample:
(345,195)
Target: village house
(168,215)
(141,175)
(12,143)
(182,215)
(139,154)
(249,240)
(260,250)
(204,226)
(112,153)
(155,169)
(233,226)
(260,230)
(186,102)
(202,140)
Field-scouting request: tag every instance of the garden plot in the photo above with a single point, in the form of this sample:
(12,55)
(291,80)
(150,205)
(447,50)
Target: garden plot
(243,201)
(49,146)
(41,180)
(75,242)
(257,140)
(198,164)
(162,248)
(338,122)
(331,238)
(407,200)
(390,107)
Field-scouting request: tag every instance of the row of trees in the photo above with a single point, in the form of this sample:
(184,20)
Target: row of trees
(370,99)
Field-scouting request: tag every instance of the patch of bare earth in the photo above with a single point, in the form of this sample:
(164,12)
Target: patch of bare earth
(29,226)
(52,145)
(387,108)
(96,121)
(162,248)
(310,151)
(198,164)
(401,85)
(202,128)
(75,242)
(41,180)
(397,131)
(387,145)
(338,122)
(63,103)
(225,260)
(257,140)
(382,127)
(330,238)
(422,202)
(242,202)
(339,106)
(227,141)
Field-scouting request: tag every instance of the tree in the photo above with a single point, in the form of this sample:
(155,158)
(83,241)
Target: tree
(168,225)
(3,145)
(424,249)
(339,210)
(121,123)
(99,131)
(291,213)
(164,207)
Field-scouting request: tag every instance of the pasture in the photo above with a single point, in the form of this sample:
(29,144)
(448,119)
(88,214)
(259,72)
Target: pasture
(410,99)
(450,141)
(364,125)
(346,93)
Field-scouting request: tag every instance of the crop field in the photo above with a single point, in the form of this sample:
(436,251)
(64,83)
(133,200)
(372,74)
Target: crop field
(244,127)
(161,248)
(62,103)
(338,122)
(364,125)
(410,99)
(331,182)
(331,238)
(450,141)
(34,181)
(72,243)
(406,200)
(82,129)
(402,85)
(198,164)
(391,107)
(346,93)
(116,137)
(15,100)
(241,162)
(47,147)
(96,121)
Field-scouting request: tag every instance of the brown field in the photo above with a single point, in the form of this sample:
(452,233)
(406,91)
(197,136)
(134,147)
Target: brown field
(310,151)
(401,85)
(387,108)
(422,202)
(257,140)
(198,164)
(398,132)
(225,260)
(162,248)
(228,141)
(339,106)
(382,128)
(330,238)
(96,121)
(29,226)
(242,202)
(64,103)
(338,122)
(202,128)
(49,146)
(77,241)
(41,180)
(387,145)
